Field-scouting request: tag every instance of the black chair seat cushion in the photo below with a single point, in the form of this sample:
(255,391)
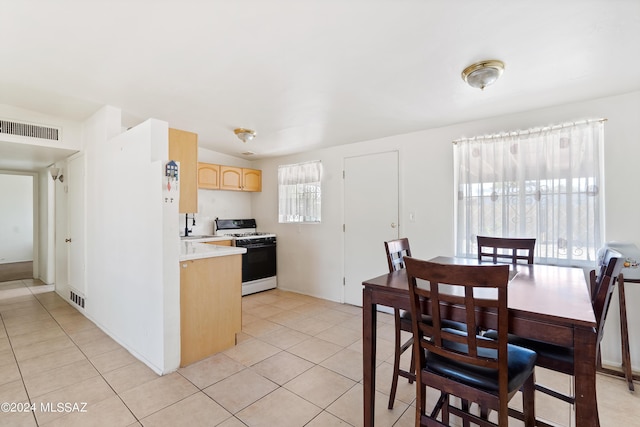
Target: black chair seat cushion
(521,364)
(544,350)
(405,316)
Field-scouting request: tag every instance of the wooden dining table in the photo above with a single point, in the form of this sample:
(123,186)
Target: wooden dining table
(547,303)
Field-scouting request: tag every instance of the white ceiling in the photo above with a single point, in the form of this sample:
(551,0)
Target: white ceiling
(307,74)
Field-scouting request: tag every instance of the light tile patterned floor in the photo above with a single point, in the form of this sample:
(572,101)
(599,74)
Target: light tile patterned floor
(298,363)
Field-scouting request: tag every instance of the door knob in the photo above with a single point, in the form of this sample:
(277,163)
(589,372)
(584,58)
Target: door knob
(67,240)
(393,225)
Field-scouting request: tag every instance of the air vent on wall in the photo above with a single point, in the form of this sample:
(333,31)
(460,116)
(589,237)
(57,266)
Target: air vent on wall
(32,131)
(76,299)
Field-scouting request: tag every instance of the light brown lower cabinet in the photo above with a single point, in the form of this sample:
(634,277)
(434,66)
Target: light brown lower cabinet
(210,306)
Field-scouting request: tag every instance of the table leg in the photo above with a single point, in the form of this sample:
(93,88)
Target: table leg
(369,356)
(624,334)
(584,377)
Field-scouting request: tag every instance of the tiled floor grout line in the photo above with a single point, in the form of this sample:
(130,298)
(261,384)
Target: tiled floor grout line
(80,350)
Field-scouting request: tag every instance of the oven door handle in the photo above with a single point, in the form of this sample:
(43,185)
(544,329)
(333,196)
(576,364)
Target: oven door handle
(258,245)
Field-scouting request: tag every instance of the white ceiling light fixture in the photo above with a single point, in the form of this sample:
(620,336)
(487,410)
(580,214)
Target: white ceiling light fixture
(483,73)
(245,135)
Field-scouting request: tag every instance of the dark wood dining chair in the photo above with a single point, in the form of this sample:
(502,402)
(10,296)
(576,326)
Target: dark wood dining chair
(561,359)
(471,367)
(396,251)
(506,248)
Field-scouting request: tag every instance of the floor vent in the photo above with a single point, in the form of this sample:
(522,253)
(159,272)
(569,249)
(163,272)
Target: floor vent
(29,130)
(76,298)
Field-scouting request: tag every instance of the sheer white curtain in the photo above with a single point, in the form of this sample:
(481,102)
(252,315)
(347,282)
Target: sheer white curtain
(299,195)
(543,183)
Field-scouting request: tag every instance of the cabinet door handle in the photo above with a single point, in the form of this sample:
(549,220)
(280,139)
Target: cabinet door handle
(67,240)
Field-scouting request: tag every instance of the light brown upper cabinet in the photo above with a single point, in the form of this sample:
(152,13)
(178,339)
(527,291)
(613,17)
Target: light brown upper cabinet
(208,176)
(251,179)
(183,148)
(240,179)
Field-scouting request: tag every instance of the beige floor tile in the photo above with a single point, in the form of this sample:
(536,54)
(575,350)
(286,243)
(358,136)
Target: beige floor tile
(284,338)
(249,318)
(40,348)
(197,410)
(349,408)
(46,332)
(320,386)
(280,408)
(85,336)
(405,392)
(211,370)
(617,406)
(18,419)
(74,322)
(315,350)
(265,311)
(15,294)
(282,367)
(52,360)
(287,318)
(99,346)
(346,362)
(310,325)
(130,376)
(336,317)
(155,395)
(287,303)
(6,354)
(111,360)
(240,390)
(325,419)
(340,335)
(32,329)
(9,373)
(13,391)
(251,352)
(54,379)
(261,327)
(109,412)
(407,419)
(25,315)
(90,392)
(232,422)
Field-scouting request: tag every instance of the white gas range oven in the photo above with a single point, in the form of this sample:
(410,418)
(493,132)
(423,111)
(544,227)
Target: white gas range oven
(259,262)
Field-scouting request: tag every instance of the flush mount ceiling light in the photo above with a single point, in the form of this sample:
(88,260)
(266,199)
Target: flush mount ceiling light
(483,73)
(245,135)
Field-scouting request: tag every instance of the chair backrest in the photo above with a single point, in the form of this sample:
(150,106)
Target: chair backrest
(603,287)
(513,249)
(471,303)
(396,251)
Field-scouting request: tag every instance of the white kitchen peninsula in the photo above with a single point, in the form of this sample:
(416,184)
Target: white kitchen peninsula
(210,299)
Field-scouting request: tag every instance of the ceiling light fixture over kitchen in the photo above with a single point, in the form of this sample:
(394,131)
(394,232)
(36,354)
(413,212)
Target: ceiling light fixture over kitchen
(483,73)
(245,135)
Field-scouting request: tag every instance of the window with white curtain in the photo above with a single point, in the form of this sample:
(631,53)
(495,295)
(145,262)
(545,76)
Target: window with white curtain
(544,183)
(299,192)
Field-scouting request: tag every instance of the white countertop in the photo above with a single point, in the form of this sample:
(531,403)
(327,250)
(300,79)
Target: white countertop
(197,250)
(206,238)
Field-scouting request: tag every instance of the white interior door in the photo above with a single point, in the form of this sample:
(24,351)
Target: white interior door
(371,218)
(75,237)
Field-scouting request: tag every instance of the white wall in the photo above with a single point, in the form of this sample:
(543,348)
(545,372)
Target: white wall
(132,244)
(16,224)
(426,188)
